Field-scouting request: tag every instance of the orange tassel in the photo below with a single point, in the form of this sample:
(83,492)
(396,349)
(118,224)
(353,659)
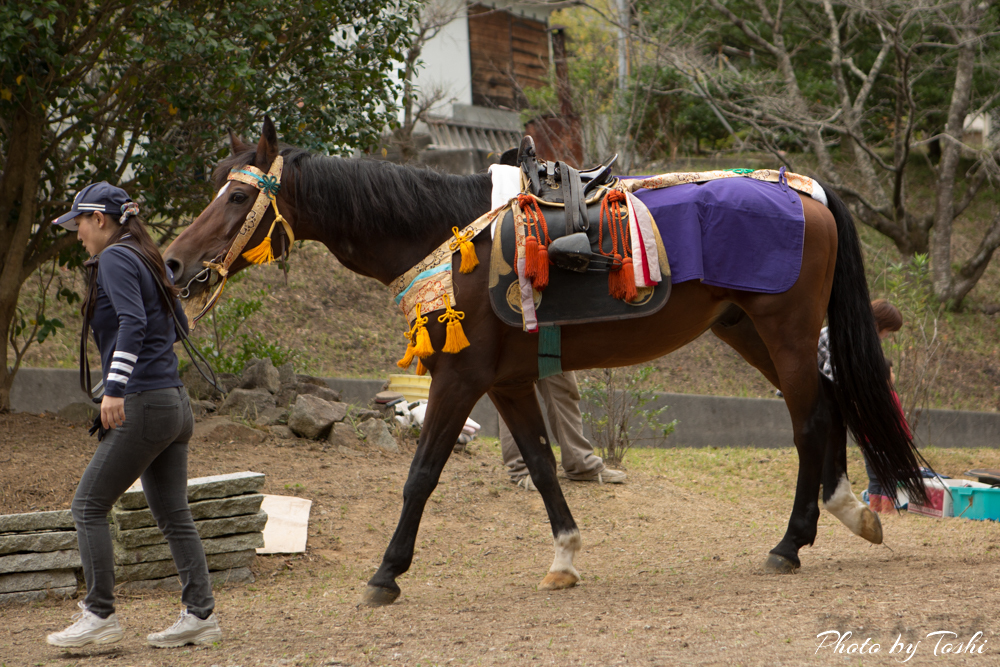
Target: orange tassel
(421,369)
(407,359)
(541,280)
(423,348)
(463,242)
(628,280)
(456,340)
(530,258)
(616,280)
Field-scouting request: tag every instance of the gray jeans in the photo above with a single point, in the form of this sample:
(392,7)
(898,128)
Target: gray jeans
(153,443)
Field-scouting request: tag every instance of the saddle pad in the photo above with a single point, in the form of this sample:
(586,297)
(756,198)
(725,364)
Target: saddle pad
(571,297)
(738,233)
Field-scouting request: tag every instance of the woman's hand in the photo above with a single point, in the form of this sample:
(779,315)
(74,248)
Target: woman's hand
(112,411)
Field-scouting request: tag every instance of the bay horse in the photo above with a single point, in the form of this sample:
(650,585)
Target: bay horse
(380,219)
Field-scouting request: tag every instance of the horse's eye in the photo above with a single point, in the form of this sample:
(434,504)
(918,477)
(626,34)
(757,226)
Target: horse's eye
(237,198)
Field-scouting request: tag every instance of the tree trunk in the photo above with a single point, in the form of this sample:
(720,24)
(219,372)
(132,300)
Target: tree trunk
(18,193)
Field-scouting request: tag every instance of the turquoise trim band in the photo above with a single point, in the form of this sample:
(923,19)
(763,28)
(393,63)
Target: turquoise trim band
(549,351)
(421,276)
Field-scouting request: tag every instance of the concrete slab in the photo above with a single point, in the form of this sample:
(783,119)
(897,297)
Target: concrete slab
(287,525)
(165,568)
(24,597)
(36,581)
(234,525)
(36,521)
(200,488)
(215,545)
(205,509)
(55,560)
(38,542)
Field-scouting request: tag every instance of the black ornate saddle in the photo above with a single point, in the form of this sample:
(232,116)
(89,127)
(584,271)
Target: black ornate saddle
(579,253)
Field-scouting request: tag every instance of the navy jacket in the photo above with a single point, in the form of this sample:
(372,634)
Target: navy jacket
(133,330)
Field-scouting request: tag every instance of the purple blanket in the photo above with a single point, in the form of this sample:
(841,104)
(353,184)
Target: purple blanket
(737,232)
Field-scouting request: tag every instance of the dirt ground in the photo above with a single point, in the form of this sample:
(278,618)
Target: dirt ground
(671,567)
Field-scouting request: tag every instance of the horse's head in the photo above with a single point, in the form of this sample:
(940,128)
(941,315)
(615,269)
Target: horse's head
(239,220)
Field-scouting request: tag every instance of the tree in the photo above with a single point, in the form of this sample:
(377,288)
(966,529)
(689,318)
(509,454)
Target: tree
(140,92)
(865,87)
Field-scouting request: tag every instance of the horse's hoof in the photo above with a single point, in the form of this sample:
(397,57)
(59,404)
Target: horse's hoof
(376,596)
(556,581)
(776,564)
(871,527)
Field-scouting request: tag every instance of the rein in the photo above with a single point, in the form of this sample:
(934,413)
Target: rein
(269,184)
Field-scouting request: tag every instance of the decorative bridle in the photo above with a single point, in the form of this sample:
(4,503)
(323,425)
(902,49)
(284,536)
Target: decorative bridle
(269,184)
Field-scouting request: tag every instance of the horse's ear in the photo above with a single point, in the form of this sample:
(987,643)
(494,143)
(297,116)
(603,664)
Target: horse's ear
(267,148)
(236,144)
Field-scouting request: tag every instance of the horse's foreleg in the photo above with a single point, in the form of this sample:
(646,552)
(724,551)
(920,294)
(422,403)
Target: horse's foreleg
(838,498)
(520,411)
(448,407)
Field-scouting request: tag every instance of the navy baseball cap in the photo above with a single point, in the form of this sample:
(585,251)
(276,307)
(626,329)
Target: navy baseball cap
(102,197)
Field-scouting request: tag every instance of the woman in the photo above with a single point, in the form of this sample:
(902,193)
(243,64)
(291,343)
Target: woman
(145,415)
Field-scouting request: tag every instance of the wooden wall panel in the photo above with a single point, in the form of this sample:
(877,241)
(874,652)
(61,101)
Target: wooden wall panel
(507,53)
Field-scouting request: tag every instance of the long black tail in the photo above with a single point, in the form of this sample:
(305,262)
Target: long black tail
(859,366)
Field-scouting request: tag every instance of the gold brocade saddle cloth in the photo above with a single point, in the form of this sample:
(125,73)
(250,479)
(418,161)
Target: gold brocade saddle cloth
(570,296)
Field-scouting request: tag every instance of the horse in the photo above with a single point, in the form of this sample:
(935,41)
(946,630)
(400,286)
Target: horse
(380,219)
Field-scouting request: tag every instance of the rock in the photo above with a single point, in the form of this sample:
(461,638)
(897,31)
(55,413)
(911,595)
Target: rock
(377,433)
(201,408)
(281,431)
(311,416)
(260,375)
(322,391)
(36,581)
(309,379)
(198,387)
(200,488)
(80,413)
(165,568)
(54,560)
(36,521)
(286,395)
(25,597)
(237,575)
(272,416)
(286,374)
(232,432)
(38,542)
(360,415)
(234,525)
(247,403)
(204,509)
(343,435)
(215,545)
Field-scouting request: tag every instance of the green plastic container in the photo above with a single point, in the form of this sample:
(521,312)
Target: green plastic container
(979,504)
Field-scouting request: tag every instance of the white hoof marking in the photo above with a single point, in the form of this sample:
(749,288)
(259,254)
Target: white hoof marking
(845,506)
(566,544)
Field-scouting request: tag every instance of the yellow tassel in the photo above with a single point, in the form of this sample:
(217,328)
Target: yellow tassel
(423,348)
(407,359)
(463,242)
(262,254)
(455,341)
(421,369)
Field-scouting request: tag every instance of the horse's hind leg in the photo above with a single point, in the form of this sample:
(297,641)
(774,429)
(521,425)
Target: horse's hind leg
(838,498)
(448,406)
(519,409)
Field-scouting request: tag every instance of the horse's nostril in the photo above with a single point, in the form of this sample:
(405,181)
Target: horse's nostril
(175,267)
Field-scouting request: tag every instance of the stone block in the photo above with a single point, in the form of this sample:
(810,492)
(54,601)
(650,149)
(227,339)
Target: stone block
(272,416)
(53,560)
(214,545)
(260,375)
(234,525)
(58,540)
(36,581)
(219,578)
(323,391)
(198,387)
(24,597)
(311,416)
(247,403)
(36,521)
(286,373)
(201,488)
(281,431)
(377,434)
(165,568)
(361,415)
(228,432)
(309,379)
(343,435)
(80,412)
(204,509)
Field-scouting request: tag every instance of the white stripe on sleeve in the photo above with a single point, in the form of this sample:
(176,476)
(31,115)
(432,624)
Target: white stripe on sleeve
(122,366)
(126,356)
(115,377)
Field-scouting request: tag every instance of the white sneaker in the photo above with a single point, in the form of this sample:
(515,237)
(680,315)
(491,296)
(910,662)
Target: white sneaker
(89,628)
(189,629)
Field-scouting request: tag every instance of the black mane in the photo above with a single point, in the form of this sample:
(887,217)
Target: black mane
(371,199)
